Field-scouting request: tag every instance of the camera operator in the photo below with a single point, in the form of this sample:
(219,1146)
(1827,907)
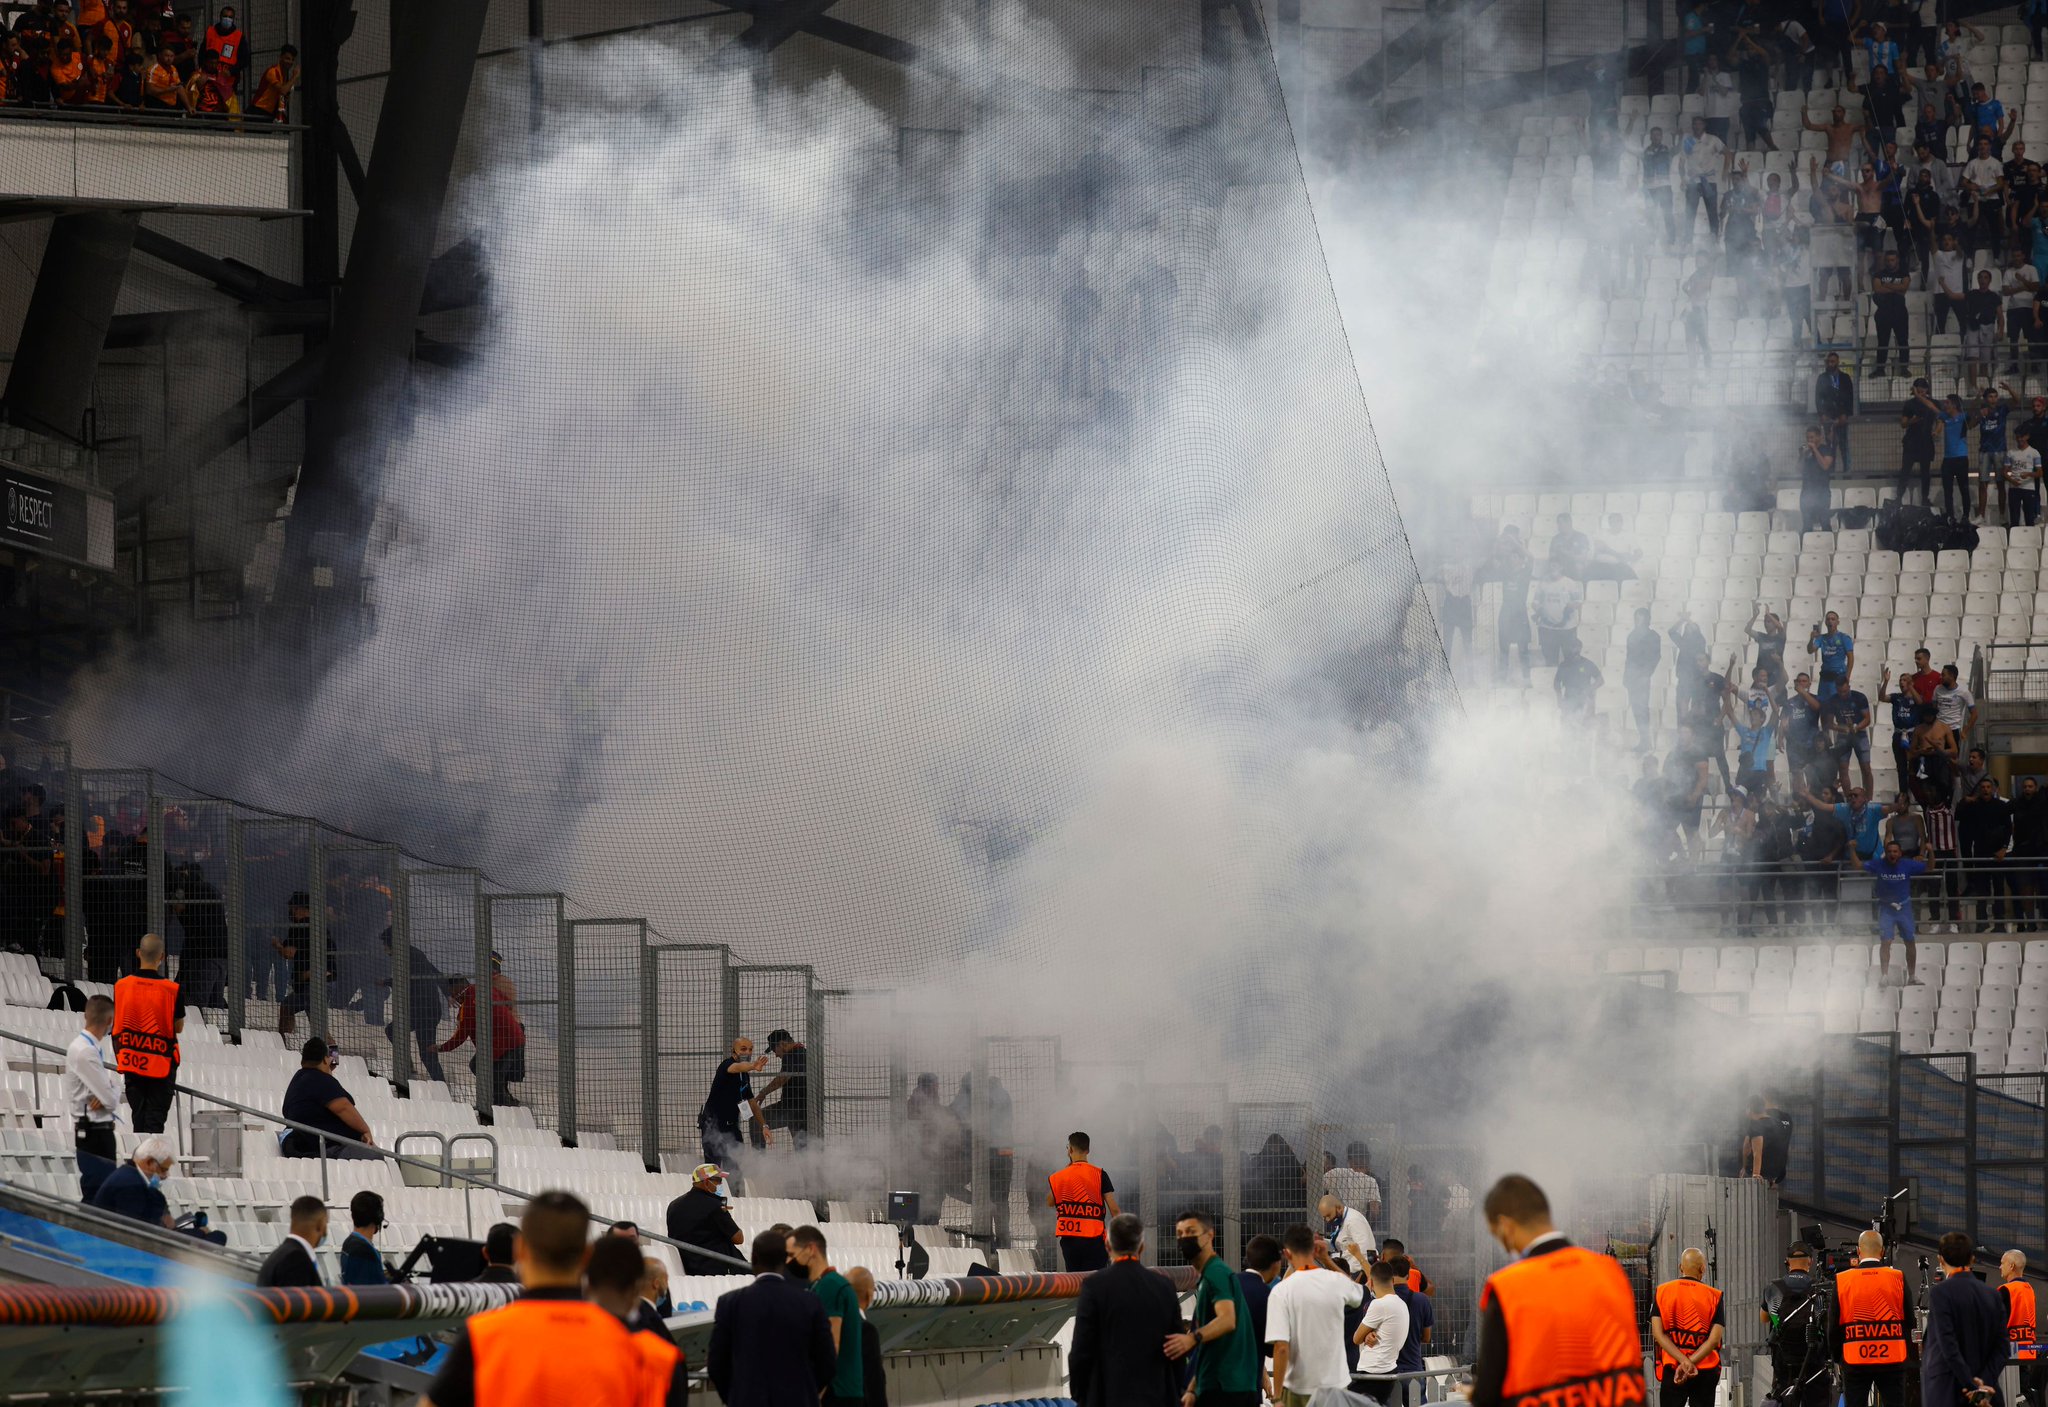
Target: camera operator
(1873,1306)
(1791,1313)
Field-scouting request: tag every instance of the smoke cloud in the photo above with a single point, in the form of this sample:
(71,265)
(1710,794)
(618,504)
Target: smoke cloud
(981,583)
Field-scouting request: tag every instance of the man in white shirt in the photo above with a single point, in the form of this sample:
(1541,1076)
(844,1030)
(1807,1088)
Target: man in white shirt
(1305,1322)
(2023,478)
(1351,1238)
(1705,158)
(1353,1184)
(1383,1333)
(91,1094)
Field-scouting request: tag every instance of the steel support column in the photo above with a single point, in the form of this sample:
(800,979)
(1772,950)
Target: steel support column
(58,353)
(375,313)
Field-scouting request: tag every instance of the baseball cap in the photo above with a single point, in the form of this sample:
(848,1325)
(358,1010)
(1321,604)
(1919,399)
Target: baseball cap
(707,1170)
(779,1035)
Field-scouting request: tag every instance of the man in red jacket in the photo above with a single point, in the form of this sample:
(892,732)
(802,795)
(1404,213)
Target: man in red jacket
(508,1037)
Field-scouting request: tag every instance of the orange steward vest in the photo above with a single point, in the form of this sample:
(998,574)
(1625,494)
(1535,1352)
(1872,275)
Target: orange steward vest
(2019,1318)
(1686,1309)
(660,1361)
(145,1027)
(1077,1197)
(1571,1324)
(1870,1305)
(567,1352)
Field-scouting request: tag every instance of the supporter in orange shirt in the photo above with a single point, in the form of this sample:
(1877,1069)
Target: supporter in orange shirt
(70,76)
(91,13)
(105,64)
(61,27)
(206,92)
(273,93)
(162,89)
(118,27)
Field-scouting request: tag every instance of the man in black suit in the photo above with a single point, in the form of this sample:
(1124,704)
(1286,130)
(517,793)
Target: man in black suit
(770,1344)
(1121,1327)
(1965,1346)
(292,1263)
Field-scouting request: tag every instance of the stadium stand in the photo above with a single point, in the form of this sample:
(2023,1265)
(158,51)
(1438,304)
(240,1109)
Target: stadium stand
(1703,293)
(35,1149)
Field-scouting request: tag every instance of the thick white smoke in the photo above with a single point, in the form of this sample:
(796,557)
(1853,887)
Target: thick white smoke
(781,569)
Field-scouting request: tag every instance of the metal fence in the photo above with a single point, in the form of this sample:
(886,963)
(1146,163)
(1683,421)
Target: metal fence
(1790,899)
(1970,1149)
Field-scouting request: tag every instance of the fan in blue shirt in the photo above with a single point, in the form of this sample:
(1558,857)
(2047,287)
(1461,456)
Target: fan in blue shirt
(1837,653)
(1893,874)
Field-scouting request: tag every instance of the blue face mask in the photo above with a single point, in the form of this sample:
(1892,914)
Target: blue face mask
(155,1181)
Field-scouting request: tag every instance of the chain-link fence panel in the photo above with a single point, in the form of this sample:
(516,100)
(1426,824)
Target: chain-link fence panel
(34,787)
(114,890)
(1189,1141)
(690,1026)
(196,860)
(443,920)
(531,1062)
(855,1090)
(934,1146)
(603,1009)
(1022,1137)
(2012,1206)
(274,910)
(776,1000)
(1272,1144)
(359,883)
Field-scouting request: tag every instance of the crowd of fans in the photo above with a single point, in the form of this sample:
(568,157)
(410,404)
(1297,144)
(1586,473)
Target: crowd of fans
(1912,172)
(139,56)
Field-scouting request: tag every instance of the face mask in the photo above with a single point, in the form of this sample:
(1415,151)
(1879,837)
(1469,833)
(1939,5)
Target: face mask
(227,25)
(1190,1248)
(155,1180)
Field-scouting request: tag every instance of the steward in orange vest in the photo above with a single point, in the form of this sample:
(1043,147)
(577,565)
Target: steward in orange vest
(550,1345)
(1084,1201)
(2021,1324)
(1873,1309)
(1557,1327)
(149,1012)
(1688,1323)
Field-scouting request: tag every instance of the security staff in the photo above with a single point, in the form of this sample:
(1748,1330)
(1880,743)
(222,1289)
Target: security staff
(1084,1201)
(1688,1322)
(149,1014)
(1559,1316)
(2020,1324)
(550,1345)
(1873,1306)
(612,1280)
(1799,1371)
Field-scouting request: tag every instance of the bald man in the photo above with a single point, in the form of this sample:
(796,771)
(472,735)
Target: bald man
(149,1014)
(1688,1322)
(2016,1293)
(863,1281)
(1873,1306)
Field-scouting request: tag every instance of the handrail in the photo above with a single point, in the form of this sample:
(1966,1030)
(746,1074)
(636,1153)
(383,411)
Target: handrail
(144,117)
(323,1135)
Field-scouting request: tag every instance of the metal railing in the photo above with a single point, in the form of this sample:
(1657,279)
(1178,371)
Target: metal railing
(442,1169)
(1794,896)
(2013,672)
(113,115)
